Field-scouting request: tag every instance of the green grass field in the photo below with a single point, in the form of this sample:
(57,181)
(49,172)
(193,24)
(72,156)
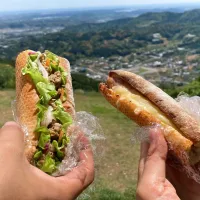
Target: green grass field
(116,170)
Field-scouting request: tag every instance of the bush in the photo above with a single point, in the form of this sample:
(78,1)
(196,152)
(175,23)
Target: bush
(7,76)
(192,89)
(80,81)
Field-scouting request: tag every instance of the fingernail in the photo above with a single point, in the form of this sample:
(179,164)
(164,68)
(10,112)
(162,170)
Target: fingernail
(10,124)
(153,135)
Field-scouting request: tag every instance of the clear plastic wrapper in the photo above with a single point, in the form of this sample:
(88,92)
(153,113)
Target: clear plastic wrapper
(88,125)
(85,125)
(191,106)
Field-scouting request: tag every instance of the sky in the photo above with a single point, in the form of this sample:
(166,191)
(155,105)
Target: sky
(10,5)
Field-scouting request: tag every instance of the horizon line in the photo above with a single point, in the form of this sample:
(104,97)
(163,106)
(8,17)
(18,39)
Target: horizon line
(85,8)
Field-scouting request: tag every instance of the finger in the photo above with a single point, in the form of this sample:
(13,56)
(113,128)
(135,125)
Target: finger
(73,183)
(85,169)
(11,138)
(143,154)
(155,161)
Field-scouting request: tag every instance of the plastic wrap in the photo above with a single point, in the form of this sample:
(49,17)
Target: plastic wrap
(85,125)
(88,125)
(192,106)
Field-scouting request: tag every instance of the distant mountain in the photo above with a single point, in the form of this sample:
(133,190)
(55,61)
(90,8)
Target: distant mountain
(164,17)
(117,37)
(65,17)
(192,16)
(144,20)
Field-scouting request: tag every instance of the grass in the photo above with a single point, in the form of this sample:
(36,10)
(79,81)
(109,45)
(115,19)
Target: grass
(6,98)
(116,170)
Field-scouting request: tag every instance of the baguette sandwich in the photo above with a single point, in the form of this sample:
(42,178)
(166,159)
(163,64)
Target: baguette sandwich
(44,106)
(147,105)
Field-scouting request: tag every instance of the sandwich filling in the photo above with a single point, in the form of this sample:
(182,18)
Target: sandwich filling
(142,103)
(49,79)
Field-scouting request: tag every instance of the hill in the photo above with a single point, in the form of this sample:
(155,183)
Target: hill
(118,37)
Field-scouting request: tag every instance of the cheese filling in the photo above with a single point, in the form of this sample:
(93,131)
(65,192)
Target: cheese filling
(142,103)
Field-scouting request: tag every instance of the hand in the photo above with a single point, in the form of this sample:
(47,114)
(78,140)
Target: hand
(152,182)
(21,181)
(186,188)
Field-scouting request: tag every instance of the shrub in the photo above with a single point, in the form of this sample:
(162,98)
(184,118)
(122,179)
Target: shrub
(7,76)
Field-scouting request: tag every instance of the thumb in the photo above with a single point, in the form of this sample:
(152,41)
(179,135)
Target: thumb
(74,182)
(154,166)
(11,140)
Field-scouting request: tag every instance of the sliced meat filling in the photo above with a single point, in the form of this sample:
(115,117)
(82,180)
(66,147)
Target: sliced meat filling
(55,129)
(56,79)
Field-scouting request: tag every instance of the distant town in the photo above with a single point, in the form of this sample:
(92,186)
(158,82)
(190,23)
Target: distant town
(174,65)
(162,45)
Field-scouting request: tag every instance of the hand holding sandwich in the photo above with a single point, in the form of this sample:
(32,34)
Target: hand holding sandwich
(20,180)
(152,180)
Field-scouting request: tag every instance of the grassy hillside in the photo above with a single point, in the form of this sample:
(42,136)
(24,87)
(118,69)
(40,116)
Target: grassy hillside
(116,170)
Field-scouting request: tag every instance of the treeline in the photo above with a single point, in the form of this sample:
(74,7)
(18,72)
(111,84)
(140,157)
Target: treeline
(7,76)
(192,89)
(80,81)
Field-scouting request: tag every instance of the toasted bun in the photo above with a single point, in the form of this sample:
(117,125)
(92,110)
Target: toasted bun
(27,97)
(183,136)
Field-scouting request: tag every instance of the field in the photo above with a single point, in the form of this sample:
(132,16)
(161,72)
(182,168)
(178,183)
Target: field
(116,169)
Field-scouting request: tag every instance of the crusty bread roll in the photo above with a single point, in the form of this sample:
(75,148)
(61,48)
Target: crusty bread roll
(27,98)
(147,104)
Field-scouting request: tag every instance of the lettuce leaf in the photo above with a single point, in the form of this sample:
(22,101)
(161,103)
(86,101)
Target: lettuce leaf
(33,57)
(37,155)
(59,104)
(64,96)
(52,57)
(40,115)
(46,91)
(43,135)
(43,86)
(49,165)
(54,65)
(63,77)
(62,116)
(59,153)
(44,139)
(64,74)
(35,75)
(40,130)
(65,126)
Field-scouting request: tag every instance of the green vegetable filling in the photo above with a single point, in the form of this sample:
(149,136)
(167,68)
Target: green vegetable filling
(51,135)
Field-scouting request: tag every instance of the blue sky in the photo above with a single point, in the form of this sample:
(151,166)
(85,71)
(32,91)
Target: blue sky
(49,4)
